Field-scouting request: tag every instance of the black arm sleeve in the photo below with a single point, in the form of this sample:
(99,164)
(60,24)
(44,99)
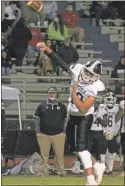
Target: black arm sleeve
(55,58)
(102,122)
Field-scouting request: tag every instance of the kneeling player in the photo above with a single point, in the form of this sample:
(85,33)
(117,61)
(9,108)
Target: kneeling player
(111,129)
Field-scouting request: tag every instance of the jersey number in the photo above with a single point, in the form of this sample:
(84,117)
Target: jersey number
(109,121)
(80,96)
(96,122)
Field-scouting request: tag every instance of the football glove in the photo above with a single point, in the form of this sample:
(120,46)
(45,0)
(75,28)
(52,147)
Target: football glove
(109,135)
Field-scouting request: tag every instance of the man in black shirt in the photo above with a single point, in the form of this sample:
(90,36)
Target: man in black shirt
(49,122)
(68,53)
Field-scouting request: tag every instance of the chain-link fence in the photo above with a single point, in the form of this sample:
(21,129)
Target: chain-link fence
(13,125)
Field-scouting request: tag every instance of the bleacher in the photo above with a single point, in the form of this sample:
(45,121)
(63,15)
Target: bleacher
(100,37)
(116,33)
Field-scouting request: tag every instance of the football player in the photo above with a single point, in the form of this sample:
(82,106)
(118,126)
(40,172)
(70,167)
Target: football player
(111,130)
(85,86)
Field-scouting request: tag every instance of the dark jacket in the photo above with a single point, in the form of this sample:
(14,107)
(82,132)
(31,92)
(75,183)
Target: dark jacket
(20,37)
(52,117)
(69,54)
(117,67)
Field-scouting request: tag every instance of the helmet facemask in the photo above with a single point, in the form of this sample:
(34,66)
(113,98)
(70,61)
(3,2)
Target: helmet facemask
(110,101)
(87,76)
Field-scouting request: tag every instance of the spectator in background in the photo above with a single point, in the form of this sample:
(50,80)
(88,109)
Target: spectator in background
(119,69)
(53,47)
(21,35)
(43,64)
(110,12)
(120,9)
(96,11)
(57,30)
(6,65)
(71,20)
(68,53)
(119,72)
(10,15)
(49,11)
(49,120)
(36,37)
(103,10)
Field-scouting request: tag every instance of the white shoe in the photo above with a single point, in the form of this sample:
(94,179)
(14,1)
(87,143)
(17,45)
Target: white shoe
(93,183)
(99,170)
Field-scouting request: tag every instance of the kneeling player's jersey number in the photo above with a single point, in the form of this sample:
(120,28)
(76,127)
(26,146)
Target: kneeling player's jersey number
(109,121)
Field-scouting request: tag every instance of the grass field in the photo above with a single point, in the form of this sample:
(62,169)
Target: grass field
(56,180)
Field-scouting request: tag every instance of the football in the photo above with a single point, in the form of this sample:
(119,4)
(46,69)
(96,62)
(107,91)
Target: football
(35,5)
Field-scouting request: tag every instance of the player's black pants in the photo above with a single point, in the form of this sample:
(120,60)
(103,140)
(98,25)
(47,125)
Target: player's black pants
(112,146)
(78,130)
(97,143)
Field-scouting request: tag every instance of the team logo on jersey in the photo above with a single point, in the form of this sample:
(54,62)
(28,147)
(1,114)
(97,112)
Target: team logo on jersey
(58,108)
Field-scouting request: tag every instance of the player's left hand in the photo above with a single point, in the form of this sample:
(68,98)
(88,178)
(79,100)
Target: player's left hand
(122,104)
(74,87)
(109,136)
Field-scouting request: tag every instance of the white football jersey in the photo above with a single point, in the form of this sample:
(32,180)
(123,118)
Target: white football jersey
(123,125)
(100,112)
(111,124)
(83,91)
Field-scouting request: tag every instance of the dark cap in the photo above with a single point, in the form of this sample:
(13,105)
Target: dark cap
(52,89)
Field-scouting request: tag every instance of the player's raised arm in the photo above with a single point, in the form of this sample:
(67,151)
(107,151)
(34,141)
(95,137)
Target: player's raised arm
(121,111)
(53,56)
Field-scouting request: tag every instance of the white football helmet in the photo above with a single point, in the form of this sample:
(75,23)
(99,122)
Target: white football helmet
(90,72)
(110,99)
